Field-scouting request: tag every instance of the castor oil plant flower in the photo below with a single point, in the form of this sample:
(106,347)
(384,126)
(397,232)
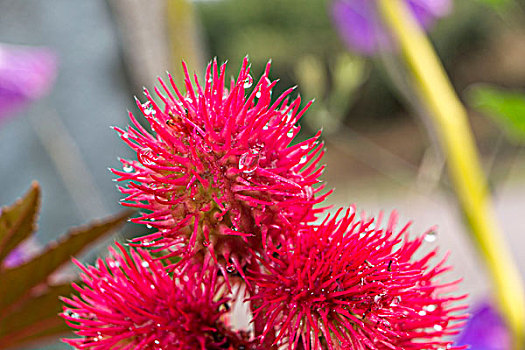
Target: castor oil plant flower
(218,173)
(349,284)
(129,301)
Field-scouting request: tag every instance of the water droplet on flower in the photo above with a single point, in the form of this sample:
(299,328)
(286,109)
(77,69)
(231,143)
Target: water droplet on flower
(430,308)
(305,147)
(266,126)
(438,327)
(249,161)
(377,299)
(248,81)
(148,109)
(230,267)
(302,160)
(290,133)
(148,226)
(125,135)
(114,264)
(72,314)
(395,301)
(422,313)
(431,236)
(127,168)
(152,286)
(258,94)
(144,264)
(308,192)
(147,157)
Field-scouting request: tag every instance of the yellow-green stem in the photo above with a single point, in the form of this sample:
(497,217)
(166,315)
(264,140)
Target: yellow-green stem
(450,121)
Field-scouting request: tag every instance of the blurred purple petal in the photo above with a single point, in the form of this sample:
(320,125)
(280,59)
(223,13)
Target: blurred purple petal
(21,254)
(485,330)
(359,25)
(426,11)
(26,74)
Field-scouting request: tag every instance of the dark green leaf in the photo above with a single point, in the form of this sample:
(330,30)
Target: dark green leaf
(506,108)
(17,282)
(18,221)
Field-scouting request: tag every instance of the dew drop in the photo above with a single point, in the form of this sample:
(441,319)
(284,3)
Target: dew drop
(430,308)
(249,161)
(125,135)
(438,327)
(266,126)
(422,313)
(127,168)
(230,268)
(114,264)
(248,82)
(303,160)
(72,314)
(395,301)
(431,236)
(308,192)
(144,264)
(148,226)
(290,133)
(147,157)
(148,109)
(305,147)
(258,94)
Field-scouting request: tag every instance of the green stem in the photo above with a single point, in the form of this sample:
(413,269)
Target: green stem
(449,119)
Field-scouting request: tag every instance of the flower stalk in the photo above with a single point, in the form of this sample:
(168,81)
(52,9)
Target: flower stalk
(449,118)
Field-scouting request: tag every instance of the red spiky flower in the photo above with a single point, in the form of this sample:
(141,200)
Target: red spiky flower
(129,301)
(218,172)
(348,284)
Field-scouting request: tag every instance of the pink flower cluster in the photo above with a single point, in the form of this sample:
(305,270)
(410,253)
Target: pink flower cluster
(234,203)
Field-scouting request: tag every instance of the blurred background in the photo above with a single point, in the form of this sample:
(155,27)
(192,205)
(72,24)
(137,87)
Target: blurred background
(93,56)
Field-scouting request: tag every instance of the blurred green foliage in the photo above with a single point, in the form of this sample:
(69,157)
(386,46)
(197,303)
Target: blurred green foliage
(263,29)
(506,108)
(306,50)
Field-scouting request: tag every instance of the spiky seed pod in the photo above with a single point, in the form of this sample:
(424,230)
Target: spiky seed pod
(129,301)
(218,173)
(348,284)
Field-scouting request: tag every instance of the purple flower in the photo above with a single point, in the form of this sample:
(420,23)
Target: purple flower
(359,24)
(485,330)
(26,74)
